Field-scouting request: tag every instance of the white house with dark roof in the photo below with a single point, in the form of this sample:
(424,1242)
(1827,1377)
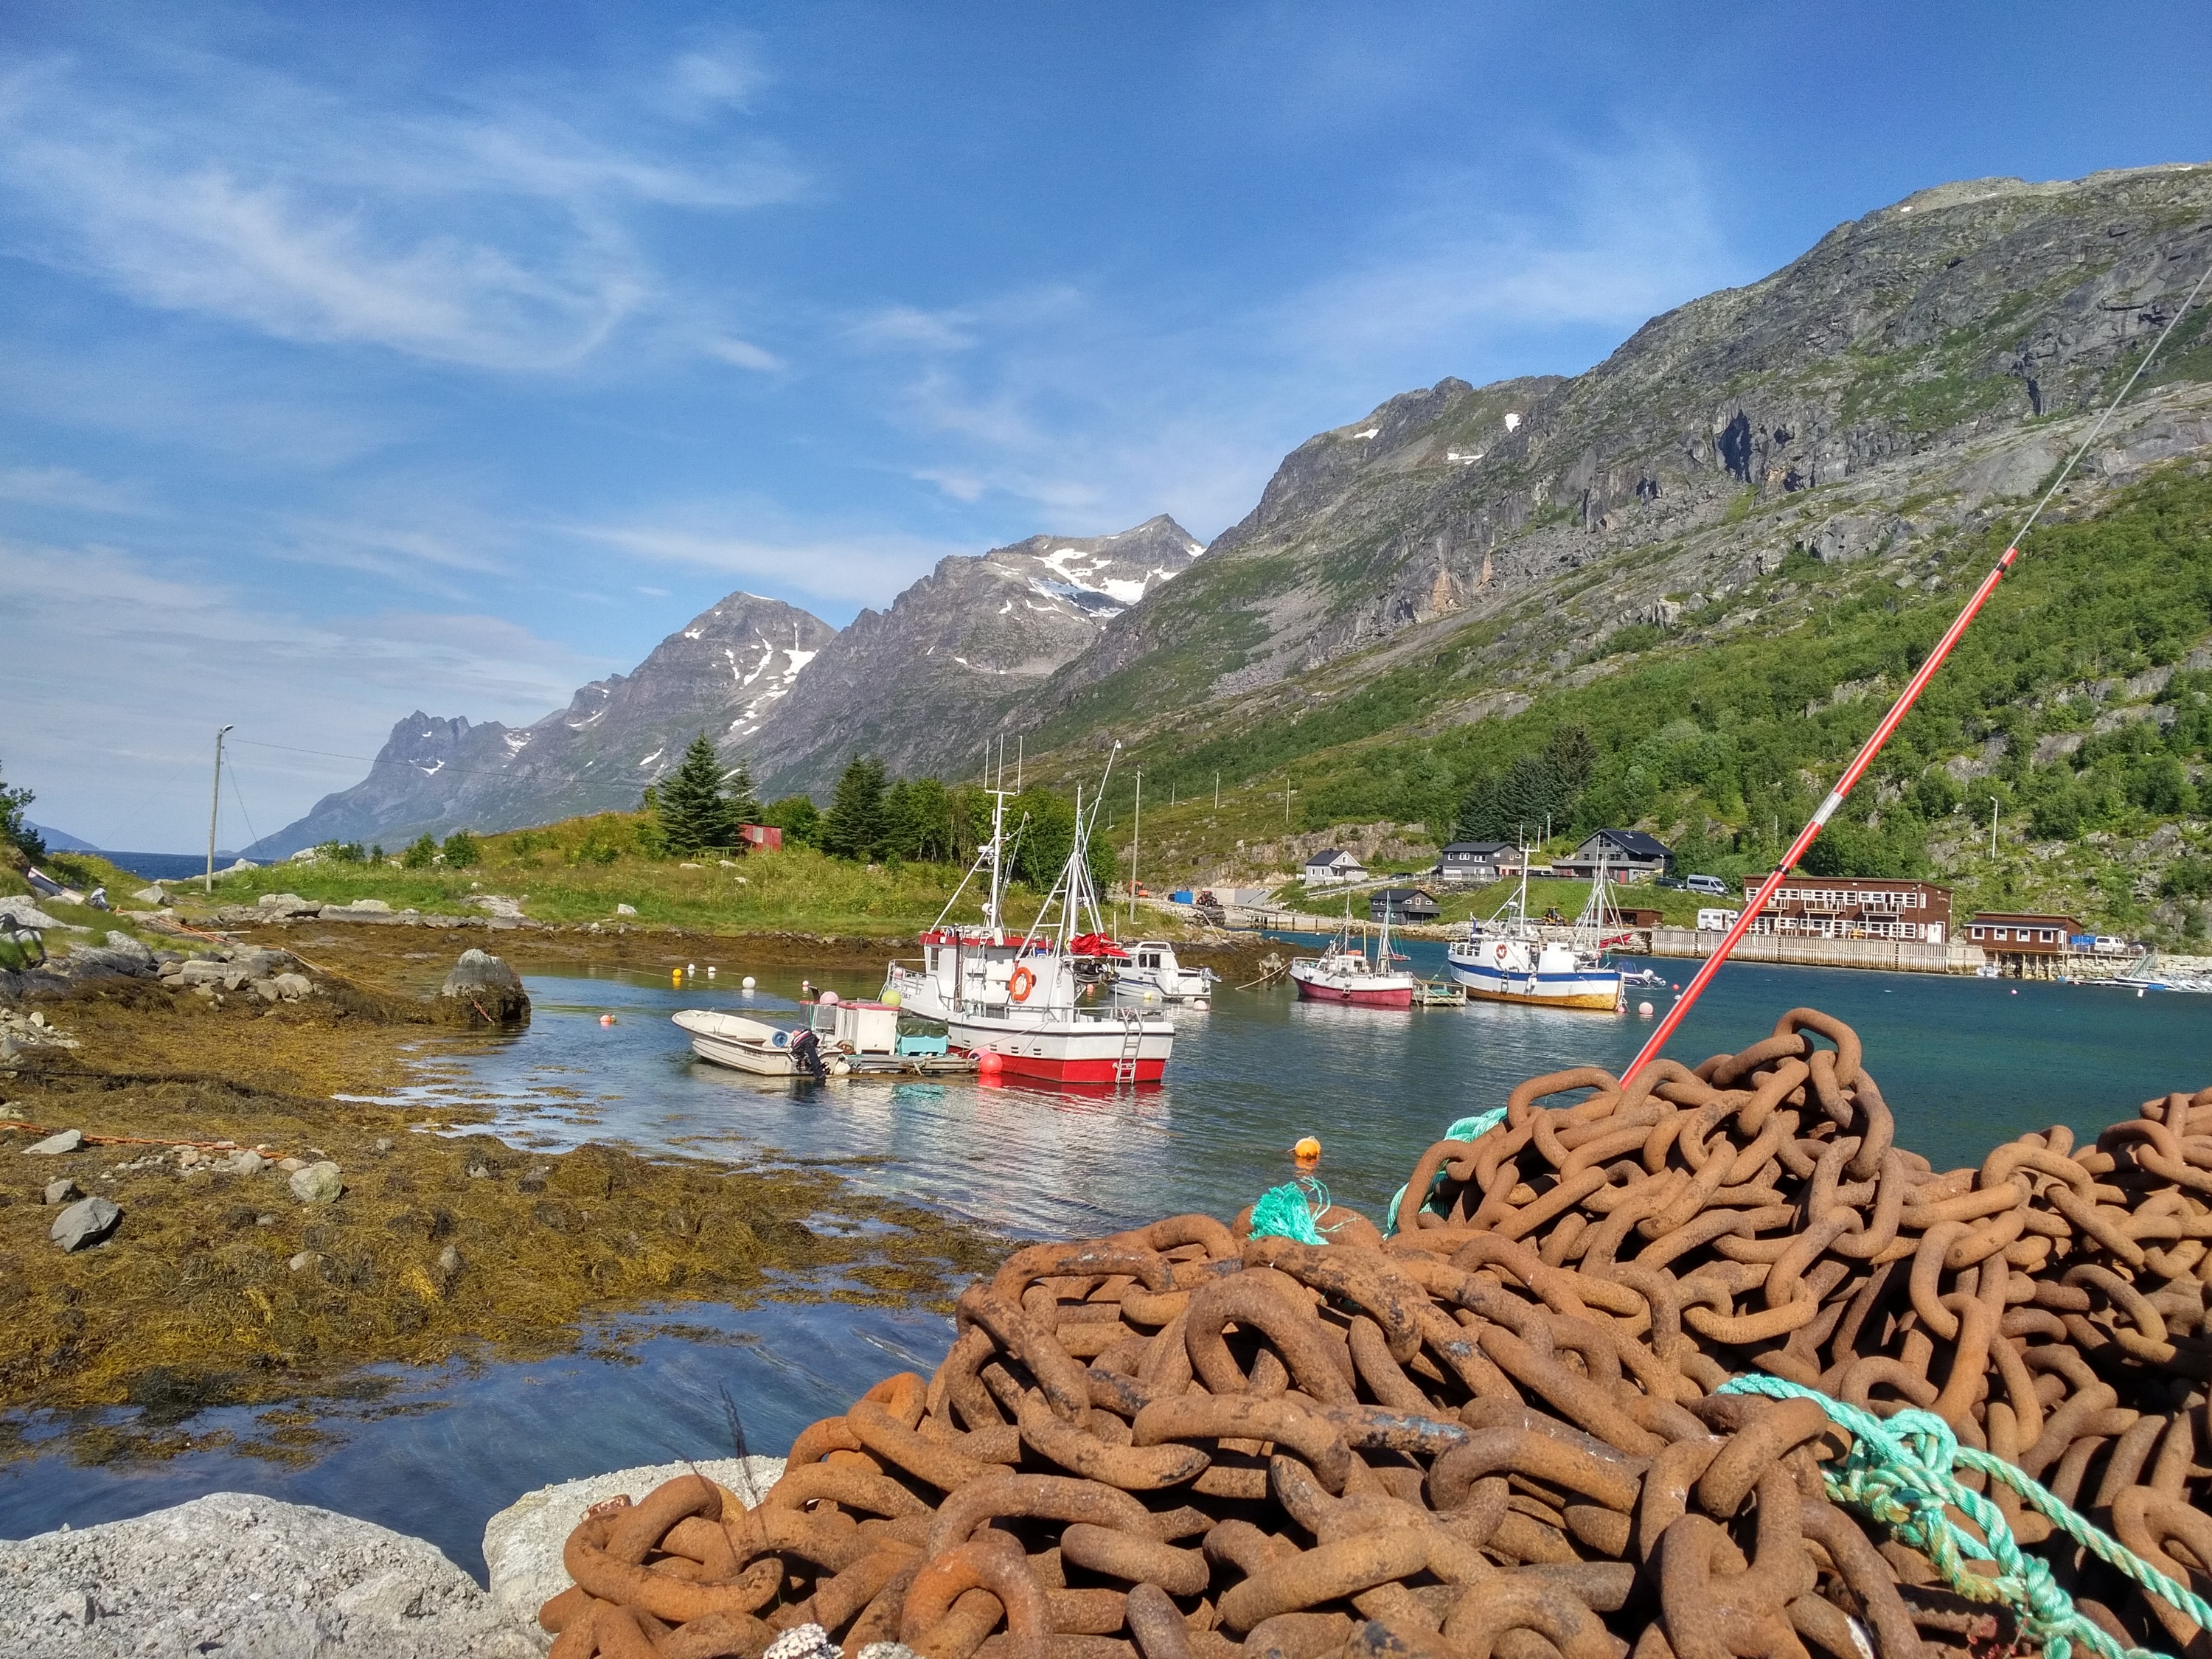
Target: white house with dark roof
(1626,854)
(1333,866)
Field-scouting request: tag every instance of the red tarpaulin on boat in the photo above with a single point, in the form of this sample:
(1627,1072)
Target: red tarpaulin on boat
(1096,945)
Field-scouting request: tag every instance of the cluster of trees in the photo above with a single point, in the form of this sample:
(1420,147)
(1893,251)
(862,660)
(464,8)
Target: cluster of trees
(14,831)
(700,805)
(1536,796)
(462,851)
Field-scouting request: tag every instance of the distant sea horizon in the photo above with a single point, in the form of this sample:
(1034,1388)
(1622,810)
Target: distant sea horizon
(160,866)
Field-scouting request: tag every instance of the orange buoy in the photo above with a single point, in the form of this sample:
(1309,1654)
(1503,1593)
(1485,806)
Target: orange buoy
(988,1064)
(606,1019)
(1307,1151)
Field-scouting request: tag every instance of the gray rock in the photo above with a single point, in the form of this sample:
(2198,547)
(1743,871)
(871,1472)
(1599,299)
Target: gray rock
(293,987)
(625,910)
(61,1192)
(123,944)
(198,970)
(68,1140)
(318,1183)
(26,913)
(245,1162)
(86,1221)
(151,895)
(482,984)
(245,1578)
(287,904)
(360,908)
(265,990)
(522,1543)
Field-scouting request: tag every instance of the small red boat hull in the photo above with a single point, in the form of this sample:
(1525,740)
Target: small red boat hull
(1395,997)
(1051,1070)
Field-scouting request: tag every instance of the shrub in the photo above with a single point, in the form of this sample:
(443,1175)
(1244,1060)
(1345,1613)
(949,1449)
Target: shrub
(420,855)
(463,851)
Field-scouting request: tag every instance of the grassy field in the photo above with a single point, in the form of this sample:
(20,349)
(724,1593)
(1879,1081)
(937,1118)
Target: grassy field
(579,870)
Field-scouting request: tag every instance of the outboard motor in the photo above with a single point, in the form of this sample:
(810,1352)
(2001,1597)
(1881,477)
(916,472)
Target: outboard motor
(806,1049)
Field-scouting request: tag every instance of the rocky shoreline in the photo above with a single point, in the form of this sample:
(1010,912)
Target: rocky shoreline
(253,1577)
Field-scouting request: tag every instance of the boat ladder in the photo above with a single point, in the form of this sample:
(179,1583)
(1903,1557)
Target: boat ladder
(1133,1037)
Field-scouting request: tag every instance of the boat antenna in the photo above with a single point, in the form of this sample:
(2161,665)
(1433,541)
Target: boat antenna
(1901,707)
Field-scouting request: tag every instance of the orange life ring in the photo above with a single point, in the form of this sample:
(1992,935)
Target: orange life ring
(1500,952)
(1021,984)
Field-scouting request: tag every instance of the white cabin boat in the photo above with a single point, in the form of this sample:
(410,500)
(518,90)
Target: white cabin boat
(1509,958)
(1150,966)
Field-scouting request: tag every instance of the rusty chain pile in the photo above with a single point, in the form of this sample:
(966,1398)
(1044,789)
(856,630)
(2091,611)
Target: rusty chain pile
(1496,1431)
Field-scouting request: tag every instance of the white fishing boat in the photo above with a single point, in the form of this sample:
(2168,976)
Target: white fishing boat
(1149,966)
(1345,973)
(843,1039)
(1508,957)
(964,965)
(1041,1033)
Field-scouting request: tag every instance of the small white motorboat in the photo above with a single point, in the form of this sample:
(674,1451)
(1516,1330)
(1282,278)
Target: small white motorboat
(1150,966)
(849,1039)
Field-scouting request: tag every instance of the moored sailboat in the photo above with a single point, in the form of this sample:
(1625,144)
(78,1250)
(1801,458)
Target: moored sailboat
(1344,973)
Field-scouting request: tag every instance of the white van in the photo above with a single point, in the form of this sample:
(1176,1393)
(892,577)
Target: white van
(1717,921)
(1711,886)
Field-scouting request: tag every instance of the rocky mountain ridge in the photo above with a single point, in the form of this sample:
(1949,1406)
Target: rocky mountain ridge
(910,685)
(725,673)
(1913,365)
(1914,370)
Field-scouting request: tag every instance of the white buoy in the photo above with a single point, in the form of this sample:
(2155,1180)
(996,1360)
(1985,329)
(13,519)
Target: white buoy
(1644,1010)
(691,967)
(1200,1003)
(710,970)
(747,982)
(828,997)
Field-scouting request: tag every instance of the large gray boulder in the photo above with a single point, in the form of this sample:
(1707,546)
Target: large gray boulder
(245,1577)
(522,1543)
(85,1223)
(482,988)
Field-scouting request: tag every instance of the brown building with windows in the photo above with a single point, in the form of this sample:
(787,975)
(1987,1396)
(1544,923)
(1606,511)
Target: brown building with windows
(1859,907)
(2023,942)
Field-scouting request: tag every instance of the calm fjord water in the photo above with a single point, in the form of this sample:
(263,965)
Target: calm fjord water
(1963,1063)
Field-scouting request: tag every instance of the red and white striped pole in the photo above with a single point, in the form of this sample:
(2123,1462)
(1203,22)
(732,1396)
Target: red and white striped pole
(1818,820)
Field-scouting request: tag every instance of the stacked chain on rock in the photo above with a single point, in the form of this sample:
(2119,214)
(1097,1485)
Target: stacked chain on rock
(1495,1432)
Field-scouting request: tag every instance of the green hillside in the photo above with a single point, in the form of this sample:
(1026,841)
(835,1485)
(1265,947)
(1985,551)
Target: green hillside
(2075,704)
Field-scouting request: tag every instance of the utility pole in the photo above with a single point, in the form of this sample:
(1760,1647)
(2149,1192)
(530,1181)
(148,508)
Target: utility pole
(1136,822)
(1287,793)
(214,806)
(1993,826)
(1021,747)
(1217,792)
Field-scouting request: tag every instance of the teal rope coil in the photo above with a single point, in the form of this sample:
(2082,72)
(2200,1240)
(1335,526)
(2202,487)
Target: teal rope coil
(1466,1128)
(1903,1474)
(1290,1210)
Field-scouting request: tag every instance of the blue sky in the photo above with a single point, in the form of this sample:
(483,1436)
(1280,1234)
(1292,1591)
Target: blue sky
(448,356)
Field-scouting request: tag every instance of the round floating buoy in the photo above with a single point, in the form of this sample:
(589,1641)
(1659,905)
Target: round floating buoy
(2016,993)
(1644,1010)
(840,1067)
(892,999)
(1307,1151)
(691,967)
(1200,1003)
(987,1064)
(829,998)
(710,970)
(746,984)
(606,1019)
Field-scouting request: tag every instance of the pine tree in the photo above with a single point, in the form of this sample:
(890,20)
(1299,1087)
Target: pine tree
(745,805)
(854,823)
(694,813)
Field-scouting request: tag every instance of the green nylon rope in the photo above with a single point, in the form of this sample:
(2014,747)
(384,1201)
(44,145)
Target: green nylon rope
(1288,1211)
(1468,1128)
(1902,1473)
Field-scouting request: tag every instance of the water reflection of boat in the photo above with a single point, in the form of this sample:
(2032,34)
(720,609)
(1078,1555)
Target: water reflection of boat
(849,1039)
(1510,957)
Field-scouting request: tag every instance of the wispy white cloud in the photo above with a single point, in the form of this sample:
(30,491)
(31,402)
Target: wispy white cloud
(839,571)
(500,236)
(65,487)
(743,354)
